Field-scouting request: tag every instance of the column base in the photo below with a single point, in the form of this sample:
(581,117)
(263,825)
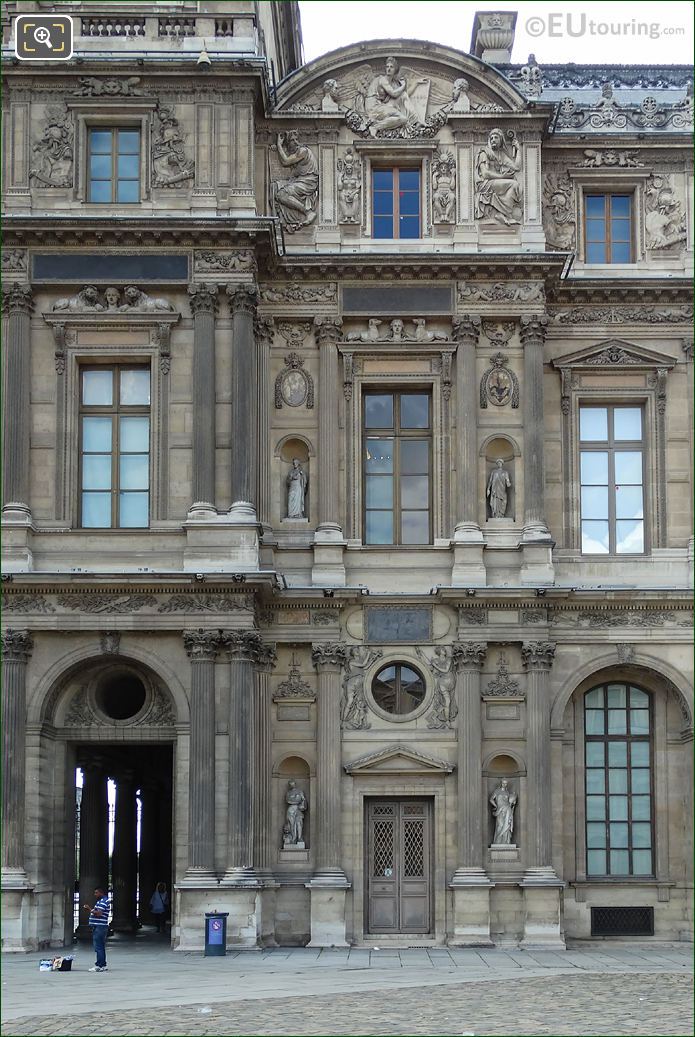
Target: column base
(16,905)
(537,568)
(471,888)
(469,568)
(221,543)
(17,535)
(328,923)
(328,569)
(542,899)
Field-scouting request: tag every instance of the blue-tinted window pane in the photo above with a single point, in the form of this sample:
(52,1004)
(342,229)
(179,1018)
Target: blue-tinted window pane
(638,699)
(379,456)
(383,203)
(620,252)
(383,227)
(641,808)
(595,835)
(593,424)
(617,807)
(596,781)
(135,434)
(628,467)
(594,468)
(383,179)
(620,230)
(628,502)
(595,502)
(596,862)
(642,862)
(617,696)
(415,491)
(595,230)
(379,491)
(595,538)
(641,781)
(100,141)
(128,142)
(133,509)
(595,205)
(639,721)
(641,835)
(594,698)
(100,167)
(595,253)
(409,227)
(129,167)
(135,387)
(595,808)
(96,510)
(617,780)
(409,180)
(629,537)
(595,756)
(378,411)
(620,862)
(619,834)
(379,527)
(415,527)
(415,411)
(594,722)
(134,472)
(128,191)
(96,434)
(617,751)
(639,754)
(96,472)
(100,191)
(620,205)
(97,388)
(409,203)
(617,722)
(415,457)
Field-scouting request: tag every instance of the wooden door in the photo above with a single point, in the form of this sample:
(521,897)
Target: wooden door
(398,866)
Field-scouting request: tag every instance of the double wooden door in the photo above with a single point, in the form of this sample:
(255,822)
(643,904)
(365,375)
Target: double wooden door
(399,865)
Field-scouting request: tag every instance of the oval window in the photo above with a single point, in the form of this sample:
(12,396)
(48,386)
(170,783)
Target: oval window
(398,689)
(121,695)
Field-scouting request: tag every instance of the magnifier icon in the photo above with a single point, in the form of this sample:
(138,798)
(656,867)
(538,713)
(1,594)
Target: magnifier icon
(42,35)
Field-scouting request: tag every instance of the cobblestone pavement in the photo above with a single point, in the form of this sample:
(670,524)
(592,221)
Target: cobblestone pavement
(606,989)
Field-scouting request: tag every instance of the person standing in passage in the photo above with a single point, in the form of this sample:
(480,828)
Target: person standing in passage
(99,924)
(159,905)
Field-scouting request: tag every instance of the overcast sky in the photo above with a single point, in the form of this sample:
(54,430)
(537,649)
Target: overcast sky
(643,33)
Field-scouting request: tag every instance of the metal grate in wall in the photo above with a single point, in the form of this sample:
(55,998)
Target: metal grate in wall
(622,921)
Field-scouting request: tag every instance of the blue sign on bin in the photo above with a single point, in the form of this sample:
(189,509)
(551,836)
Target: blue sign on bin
(215,932)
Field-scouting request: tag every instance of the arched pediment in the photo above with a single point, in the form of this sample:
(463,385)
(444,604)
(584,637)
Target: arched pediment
(441,83)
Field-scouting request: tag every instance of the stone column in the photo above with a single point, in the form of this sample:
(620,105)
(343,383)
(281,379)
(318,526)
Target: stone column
(328,569)
(540,883)
(94,838)
(243,300)
(17,305)
(265,839)
(470,883)
(17,646)
(147,862)
(469,568)
(537,565)
(244,647)
(203,301)
(328,884)
(264,327)
(124,859)
(201,648)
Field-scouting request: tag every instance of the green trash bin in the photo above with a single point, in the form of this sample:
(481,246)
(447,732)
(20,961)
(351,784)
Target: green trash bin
(216,933)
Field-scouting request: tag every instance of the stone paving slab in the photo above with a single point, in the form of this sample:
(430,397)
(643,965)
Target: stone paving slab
(586,1005)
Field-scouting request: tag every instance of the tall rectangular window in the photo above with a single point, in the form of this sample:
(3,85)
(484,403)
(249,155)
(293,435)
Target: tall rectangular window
(611,461)
(396,469)
(608,228)
(114,447)
(114,165)
(396,203)
(617,730)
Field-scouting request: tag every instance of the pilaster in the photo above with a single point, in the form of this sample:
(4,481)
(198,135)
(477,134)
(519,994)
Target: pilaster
(263,330)
(468,541)
(328,569)
(201,647)
(203,302)
(17,646)
(537,565)
(17,304)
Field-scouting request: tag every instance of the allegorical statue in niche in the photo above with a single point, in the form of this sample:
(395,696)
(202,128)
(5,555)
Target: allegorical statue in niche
(497,486)
(497,187)
(503,802)
(293,829)
(295,199)
(297,483)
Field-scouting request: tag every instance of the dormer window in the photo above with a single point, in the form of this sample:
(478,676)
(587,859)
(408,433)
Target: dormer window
(396,202)
(608,228)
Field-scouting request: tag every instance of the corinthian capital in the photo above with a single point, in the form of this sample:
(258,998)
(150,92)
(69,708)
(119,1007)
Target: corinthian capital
(17,645)
(203,298)
(17,298)
(533,328)
(537,655)
(201,644)
(466,329)
(327,329)
(331,653)
(263,329)
(243,298)
(470,654)
(243,645)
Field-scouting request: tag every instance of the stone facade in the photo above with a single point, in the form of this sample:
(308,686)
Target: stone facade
(232,644)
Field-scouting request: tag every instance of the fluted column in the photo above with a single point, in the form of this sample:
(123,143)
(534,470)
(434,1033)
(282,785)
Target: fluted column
(469,657)
(147,860)
(265,838)
(328,332)
(94,837)
(243,300)
(538,657)
(201,648)
(203,302)
(244,648)
(532,334)
(328,660)
(264,327)
(17,305)
(466,331)
(17,646)
(124,859)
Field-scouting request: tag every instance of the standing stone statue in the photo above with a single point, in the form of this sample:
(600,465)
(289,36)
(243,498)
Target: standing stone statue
(295,199)
(498,484)
(503,801)
(293,829)
(297,482)
(497,187)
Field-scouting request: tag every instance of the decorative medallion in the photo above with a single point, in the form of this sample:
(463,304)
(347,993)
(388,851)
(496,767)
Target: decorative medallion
(294,387)
(499,385)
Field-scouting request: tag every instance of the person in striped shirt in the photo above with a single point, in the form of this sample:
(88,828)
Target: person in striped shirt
(99,924)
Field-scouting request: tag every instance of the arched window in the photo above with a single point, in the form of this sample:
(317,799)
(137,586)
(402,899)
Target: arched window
(398,689)
(618,752)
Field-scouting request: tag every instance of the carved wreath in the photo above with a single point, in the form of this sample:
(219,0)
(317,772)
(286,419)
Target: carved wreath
(499,385)
(294,387)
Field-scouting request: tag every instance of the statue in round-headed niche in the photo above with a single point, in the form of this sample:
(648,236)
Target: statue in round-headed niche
(297,483)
